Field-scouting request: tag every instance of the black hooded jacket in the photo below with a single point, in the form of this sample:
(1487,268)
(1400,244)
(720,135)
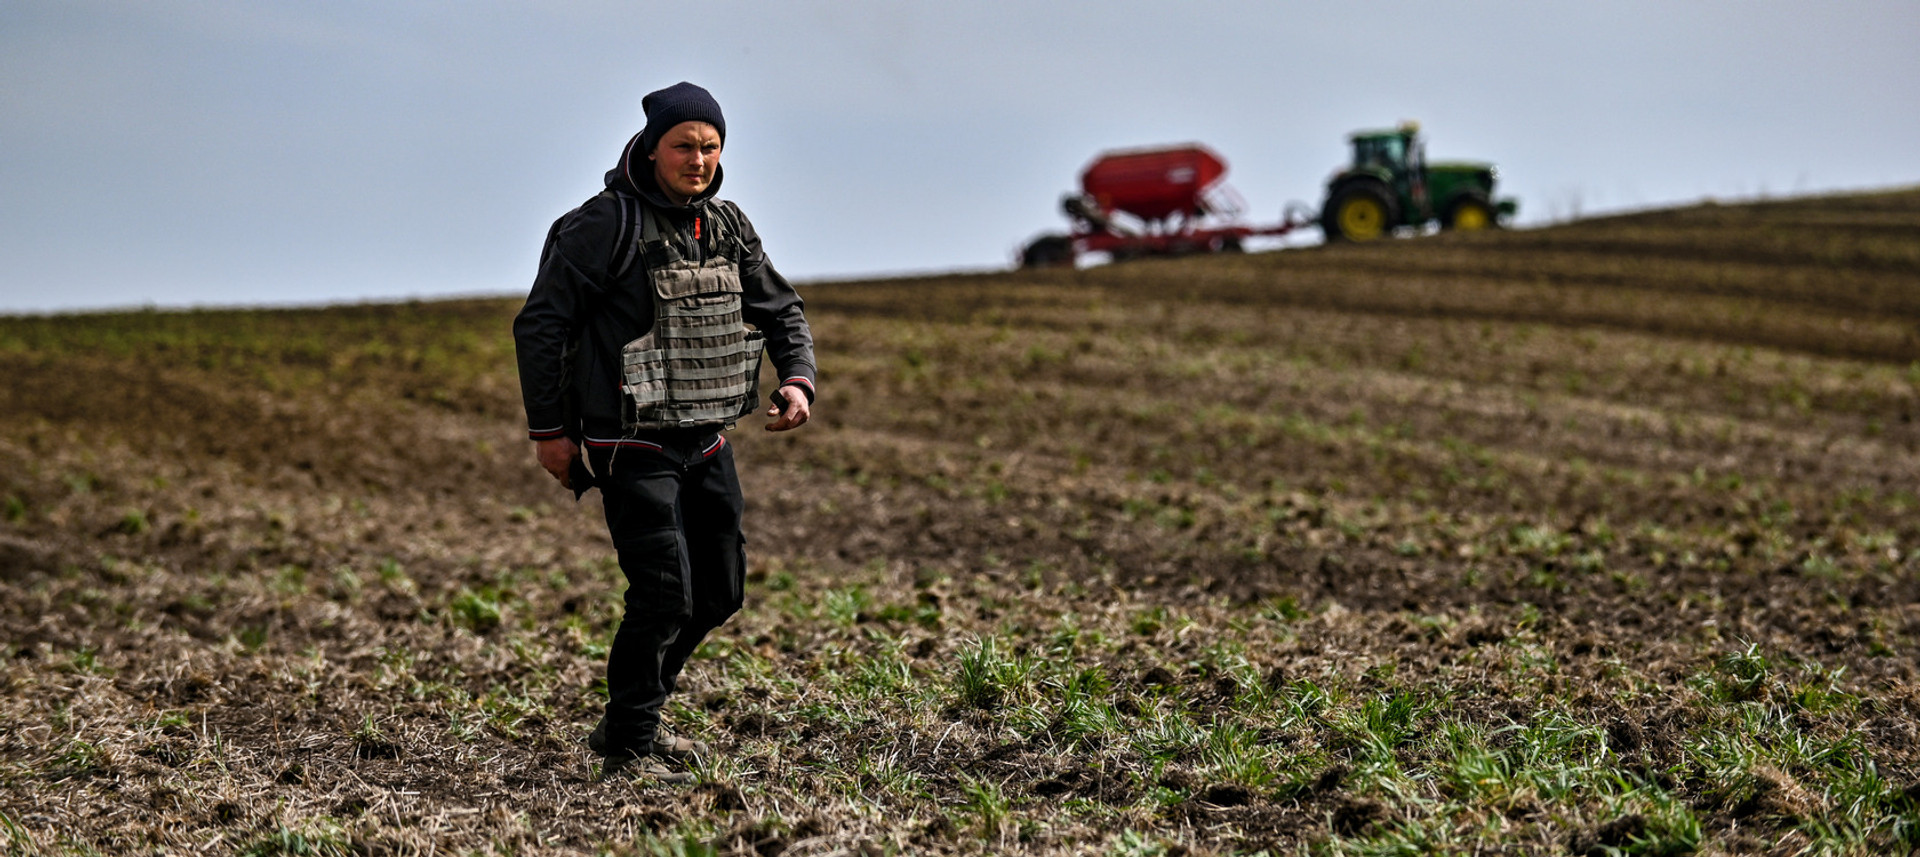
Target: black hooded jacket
(577,298)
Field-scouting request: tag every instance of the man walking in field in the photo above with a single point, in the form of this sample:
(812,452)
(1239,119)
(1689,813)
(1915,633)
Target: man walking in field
(634,344)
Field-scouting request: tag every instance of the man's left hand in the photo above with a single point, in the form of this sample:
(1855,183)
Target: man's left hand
(795,414)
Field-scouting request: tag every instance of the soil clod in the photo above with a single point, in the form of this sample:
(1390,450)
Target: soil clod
(1608,837)
(1354,816)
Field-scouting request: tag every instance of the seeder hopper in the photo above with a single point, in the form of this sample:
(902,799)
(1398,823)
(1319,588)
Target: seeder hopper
(1154,202)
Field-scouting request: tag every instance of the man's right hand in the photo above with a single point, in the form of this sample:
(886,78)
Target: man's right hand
(557,455)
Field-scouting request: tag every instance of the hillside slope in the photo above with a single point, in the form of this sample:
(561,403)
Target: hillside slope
(1221,554)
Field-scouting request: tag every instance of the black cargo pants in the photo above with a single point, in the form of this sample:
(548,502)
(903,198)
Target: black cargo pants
(673,506)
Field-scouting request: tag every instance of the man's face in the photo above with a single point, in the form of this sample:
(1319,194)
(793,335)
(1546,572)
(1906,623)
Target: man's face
(686,158)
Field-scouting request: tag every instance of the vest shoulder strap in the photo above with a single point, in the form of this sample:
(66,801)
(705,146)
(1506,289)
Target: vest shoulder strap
(727,232)
(649,225)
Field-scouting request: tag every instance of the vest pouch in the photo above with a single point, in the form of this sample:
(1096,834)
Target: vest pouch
(643,374)
(697,284)
(750,376)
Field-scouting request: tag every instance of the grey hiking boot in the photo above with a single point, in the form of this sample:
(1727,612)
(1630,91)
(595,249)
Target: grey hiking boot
(665,743)
(679,748)
(649,768)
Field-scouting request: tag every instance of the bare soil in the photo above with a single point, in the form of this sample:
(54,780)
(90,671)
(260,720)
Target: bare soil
(291,581)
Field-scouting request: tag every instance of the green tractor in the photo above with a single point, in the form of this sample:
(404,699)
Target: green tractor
(1390,184)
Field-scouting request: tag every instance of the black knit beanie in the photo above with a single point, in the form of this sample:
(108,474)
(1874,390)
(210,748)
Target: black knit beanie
(681,102)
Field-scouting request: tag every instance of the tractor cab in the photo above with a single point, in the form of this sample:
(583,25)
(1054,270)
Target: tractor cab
(1383,149)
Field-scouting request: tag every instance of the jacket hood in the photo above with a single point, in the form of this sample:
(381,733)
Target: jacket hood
(634,175)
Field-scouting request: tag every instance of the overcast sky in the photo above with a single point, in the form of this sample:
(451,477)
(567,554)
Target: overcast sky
(175,153)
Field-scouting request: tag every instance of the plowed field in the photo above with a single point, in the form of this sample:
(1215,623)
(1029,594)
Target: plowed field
(1596,539)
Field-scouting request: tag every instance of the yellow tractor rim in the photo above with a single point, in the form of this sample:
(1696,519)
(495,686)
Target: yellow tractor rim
(1471,217)
(1362,219)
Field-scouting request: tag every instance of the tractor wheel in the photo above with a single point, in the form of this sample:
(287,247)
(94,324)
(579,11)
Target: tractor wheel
(1358,211)
(1047,251)
(1469,212)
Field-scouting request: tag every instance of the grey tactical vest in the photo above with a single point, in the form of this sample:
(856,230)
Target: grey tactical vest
(699,366)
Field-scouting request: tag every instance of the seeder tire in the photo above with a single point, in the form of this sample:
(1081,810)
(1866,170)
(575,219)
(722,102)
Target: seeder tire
(1047,251)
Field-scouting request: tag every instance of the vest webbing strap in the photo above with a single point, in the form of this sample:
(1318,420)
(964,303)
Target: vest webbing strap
(703,331)
(680,311)
(658,372)
(719,413)
(710,353)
